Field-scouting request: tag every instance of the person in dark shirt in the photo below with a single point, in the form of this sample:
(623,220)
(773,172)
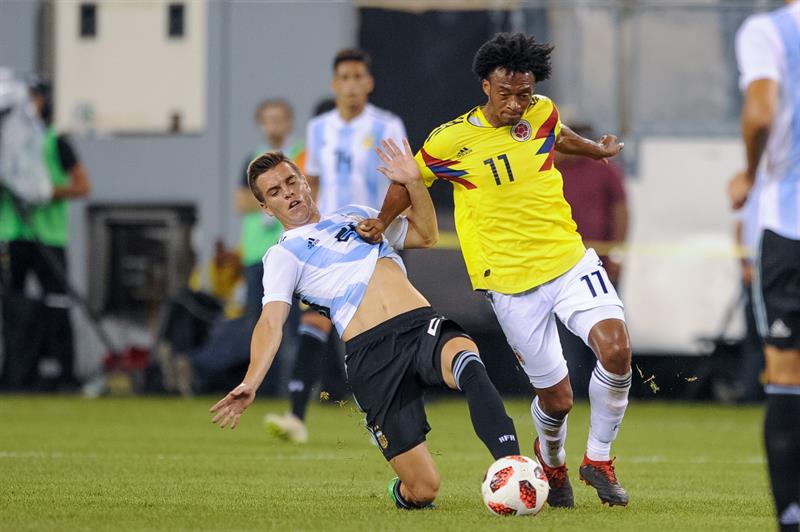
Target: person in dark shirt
(596,193)
(37,244)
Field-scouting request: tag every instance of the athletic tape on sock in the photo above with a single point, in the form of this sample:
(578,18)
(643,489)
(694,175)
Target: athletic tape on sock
(461,361)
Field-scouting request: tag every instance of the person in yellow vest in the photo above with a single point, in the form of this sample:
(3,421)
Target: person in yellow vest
(44,230)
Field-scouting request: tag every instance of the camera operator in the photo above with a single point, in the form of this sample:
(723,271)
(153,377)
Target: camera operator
(36,242)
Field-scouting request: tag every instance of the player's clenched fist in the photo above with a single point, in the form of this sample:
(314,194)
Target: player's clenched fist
(371,230)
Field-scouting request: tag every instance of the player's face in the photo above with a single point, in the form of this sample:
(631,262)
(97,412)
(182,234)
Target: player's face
(509,94)
(287,196)
(352,84)
(275,122)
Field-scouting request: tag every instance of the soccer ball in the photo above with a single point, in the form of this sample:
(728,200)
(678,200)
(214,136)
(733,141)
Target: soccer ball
(515,485)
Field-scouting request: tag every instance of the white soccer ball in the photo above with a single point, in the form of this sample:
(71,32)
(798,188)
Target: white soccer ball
(515,485)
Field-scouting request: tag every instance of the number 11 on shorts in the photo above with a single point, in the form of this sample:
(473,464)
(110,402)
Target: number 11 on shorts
(587,279)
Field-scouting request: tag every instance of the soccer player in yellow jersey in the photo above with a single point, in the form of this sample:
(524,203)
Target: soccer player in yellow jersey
(521,247)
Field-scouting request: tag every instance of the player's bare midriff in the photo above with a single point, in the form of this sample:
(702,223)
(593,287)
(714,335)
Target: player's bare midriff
(389,294)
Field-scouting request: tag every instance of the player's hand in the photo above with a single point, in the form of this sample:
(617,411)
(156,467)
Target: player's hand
(400,164)
(738,189)
(371,230)
(231,407)
(609,147)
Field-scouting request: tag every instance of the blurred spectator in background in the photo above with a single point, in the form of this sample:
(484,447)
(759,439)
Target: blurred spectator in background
(341,167)
(596,192)
(37,241)
(188,318)
(275,118)
(749,388)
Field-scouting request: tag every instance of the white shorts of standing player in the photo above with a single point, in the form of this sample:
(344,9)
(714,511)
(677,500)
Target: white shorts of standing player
(581,297)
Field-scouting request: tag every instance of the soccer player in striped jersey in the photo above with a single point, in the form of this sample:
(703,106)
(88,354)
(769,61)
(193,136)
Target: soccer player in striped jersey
(396,344)
(522,248)
(342,169)
(768,53)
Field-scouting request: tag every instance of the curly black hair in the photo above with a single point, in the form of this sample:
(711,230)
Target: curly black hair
(514,52)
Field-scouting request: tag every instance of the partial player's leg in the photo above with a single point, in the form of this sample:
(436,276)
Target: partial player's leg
(776,298)
(314,331)
(588,305)
(530,328)
(608,395)
(417,481)
(463,369)
(782,433)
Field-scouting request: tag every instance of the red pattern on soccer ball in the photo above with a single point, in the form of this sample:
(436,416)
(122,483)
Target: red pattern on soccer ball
(527,494)
(500,478)
(501,509)
(517,458)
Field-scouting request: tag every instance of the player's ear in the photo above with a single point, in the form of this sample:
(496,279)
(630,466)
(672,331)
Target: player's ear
(486,86)
(264,206)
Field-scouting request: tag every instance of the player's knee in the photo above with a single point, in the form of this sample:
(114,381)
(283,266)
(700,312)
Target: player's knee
(615,355)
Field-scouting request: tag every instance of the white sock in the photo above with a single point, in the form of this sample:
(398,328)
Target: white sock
(608,396)
(552,434)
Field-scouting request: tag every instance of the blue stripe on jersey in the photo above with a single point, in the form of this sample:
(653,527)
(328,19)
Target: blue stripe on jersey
(321,257)
(374,177)
(788,186)
(353,296)
(319,138)
(344,166)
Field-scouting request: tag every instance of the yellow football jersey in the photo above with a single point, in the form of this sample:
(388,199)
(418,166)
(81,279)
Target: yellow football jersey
(514,225)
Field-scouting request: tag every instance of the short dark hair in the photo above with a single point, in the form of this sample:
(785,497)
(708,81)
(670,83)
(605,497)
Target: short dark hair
(352,54)
(265,163)
(273,102)
(515,53)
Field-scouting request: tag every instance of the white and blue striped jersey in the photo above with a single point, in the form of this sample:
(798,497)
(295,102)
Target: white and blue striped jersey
(768,47)
(342,154)
(327,265)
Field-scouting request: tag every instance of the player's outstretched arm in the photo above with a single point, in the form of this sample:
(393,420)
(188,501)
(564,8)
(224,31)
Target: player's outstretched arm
(571,143)
(263,346)
(401,168)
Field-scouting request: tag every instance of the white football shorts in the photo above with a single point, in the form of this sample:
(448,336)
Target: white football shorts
(581,297)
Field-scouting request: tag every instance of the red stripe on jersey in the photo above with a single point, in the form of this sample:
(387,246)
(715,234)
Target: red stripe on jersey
(548,163)
(441,169)
(548,125)
(430,160)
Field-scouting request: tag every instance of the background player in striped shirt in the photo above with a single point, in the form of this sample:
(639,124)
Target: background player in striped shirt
(768,53)
(342,169)
(397,345)
(521,246)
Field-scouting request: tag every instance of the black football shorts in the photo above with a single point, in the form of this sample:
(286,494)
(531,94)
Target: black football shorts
(776,291)
(389,367)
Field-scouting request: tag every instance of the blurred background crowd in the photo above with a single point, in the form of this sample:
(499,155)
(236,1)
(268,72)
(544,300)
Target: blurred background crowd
(130,244)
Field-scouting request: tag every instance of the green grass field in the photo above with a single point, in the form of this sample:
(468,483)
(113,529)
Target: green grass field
(146,464)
